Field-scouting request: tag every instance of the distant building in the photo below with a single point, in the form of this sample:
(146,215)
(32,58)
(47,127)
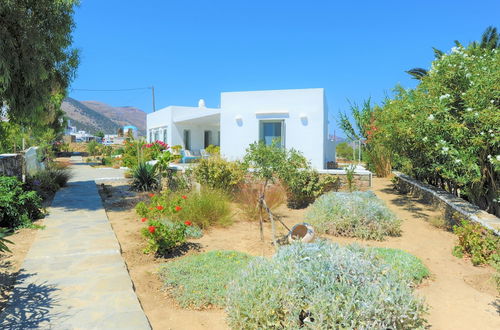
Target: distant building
(129,129)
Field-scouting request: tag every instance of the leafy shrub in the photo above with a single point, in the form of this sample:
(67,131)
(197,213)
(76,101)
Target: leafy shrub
(206,208)
(218,173)
(145,178)
(154,150)
(4,232)
(356,214)
(201,280)
(163,237)
(407,265)
(247,197)
(302,188)
(106,161)
(213,150)
(445,131)
(476,242)
(93,148)
(18,208)
(203,209)
(322,286)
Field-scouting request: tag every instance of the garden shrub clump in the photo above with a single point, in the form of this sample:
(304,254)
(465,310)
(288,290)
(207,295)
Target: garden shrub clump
(201,280)
(18,208)
(218,173)
(356,214)
(163,235)
(405,264)
(480,244)
(248,199)
(46,182)
(322,286)
(203,209)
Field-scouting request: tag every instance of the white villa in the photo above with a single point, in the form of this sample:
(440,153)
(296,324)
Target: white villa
(298,117)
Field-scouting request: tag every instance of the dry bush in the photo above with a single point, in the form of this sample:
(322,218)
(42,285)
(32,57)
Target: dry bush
(247,198)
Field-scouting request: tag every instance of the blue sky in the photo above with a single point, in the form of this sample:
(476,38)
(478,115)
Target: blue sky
(196,49)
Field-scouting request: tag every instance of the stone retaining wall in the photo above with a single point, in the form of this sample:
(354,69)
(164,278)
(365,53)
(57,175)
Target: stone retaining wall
(11,165)
(450,204)
(362,179)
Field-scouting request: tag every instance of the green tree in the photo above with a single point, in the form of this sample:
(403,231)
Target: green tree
(100,134)
(489,40)
(344,150)
(37,62)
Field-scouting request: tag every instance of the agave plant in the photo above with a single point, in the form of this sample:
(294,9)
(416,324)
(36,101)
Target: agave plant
(145,178)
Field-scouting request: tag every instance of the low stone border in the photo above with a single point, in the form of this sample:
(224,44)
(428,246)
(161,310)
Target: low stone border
(450,203)
(362,178)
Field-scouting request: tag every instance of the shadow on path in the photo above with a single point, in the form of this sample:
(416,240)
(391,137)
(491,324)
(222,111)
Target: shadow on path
(30,305)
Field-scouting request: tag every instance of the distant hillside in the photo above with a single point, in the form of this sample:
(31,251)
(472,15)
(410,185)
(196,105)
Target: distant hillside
(93,116)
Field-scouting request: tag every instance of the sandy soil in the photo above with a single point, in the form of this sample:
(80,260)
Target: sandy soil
(10,263)
(460,296)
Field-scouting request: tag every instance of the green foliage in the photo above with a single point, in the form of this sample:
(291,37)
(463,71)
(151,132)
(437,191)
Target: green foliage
(265,161)
(213,150)
(446,131)
(93,148)
(18,208)
(100,134)
(200,280)
(322,286)
(218,173)
(356,214)
(164,236)
(362,119)
(46,182)
(206,208)
(203,209)
(36,61)
(344,150)
(476,242)
(407,265)
(133,153)
(349,175)
(302,188)
(145,178)
(4,232)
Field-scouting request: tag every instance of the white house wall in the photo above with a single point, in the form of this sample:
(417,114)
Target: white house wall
(303,111)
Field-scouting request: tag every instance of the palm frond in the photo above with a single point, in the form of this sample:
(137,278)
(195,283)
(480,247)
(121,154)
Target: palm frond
(417,73)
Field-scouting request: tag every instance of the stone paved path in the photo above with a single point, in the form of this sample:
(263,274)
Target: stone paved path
(74,277)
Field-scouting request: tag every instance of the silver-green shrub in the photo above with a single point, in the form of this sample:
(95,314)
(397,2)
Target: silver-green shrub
(322,286)
(357,214)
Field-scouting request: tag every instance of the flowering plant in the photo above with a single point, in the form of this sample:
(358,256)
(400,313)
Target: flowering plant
(162,237)
(446,131)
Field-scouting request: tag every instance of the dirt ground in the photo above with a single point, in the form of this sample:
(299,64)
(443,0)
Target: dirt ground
(459,295)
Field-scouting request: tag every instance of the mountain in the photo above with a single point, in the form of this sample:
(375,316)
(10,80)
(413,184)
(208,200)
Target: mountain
(93,116)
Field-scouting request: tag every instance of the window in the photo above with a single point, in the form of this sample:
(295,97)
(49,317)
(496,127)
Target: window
(271,130)
(208,138)
(187,139)
(164,135)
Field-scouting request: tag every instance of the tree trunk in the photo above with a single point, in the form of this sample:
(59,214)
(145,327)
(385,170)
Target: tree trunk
(273,224)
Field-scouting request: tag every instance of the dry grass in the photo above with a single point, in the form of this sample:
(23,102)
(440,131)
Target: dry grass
(248,195)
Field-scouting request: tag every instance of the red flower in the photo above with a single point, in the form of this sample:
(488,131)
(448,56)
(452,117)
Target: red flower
(184,197)
(178,208)
(152,229)
(159,207)
(144,219)
(188,223)
(151,195)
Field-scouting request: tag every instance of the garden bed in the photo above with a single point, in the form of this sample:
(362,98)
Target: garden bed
(459,294)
